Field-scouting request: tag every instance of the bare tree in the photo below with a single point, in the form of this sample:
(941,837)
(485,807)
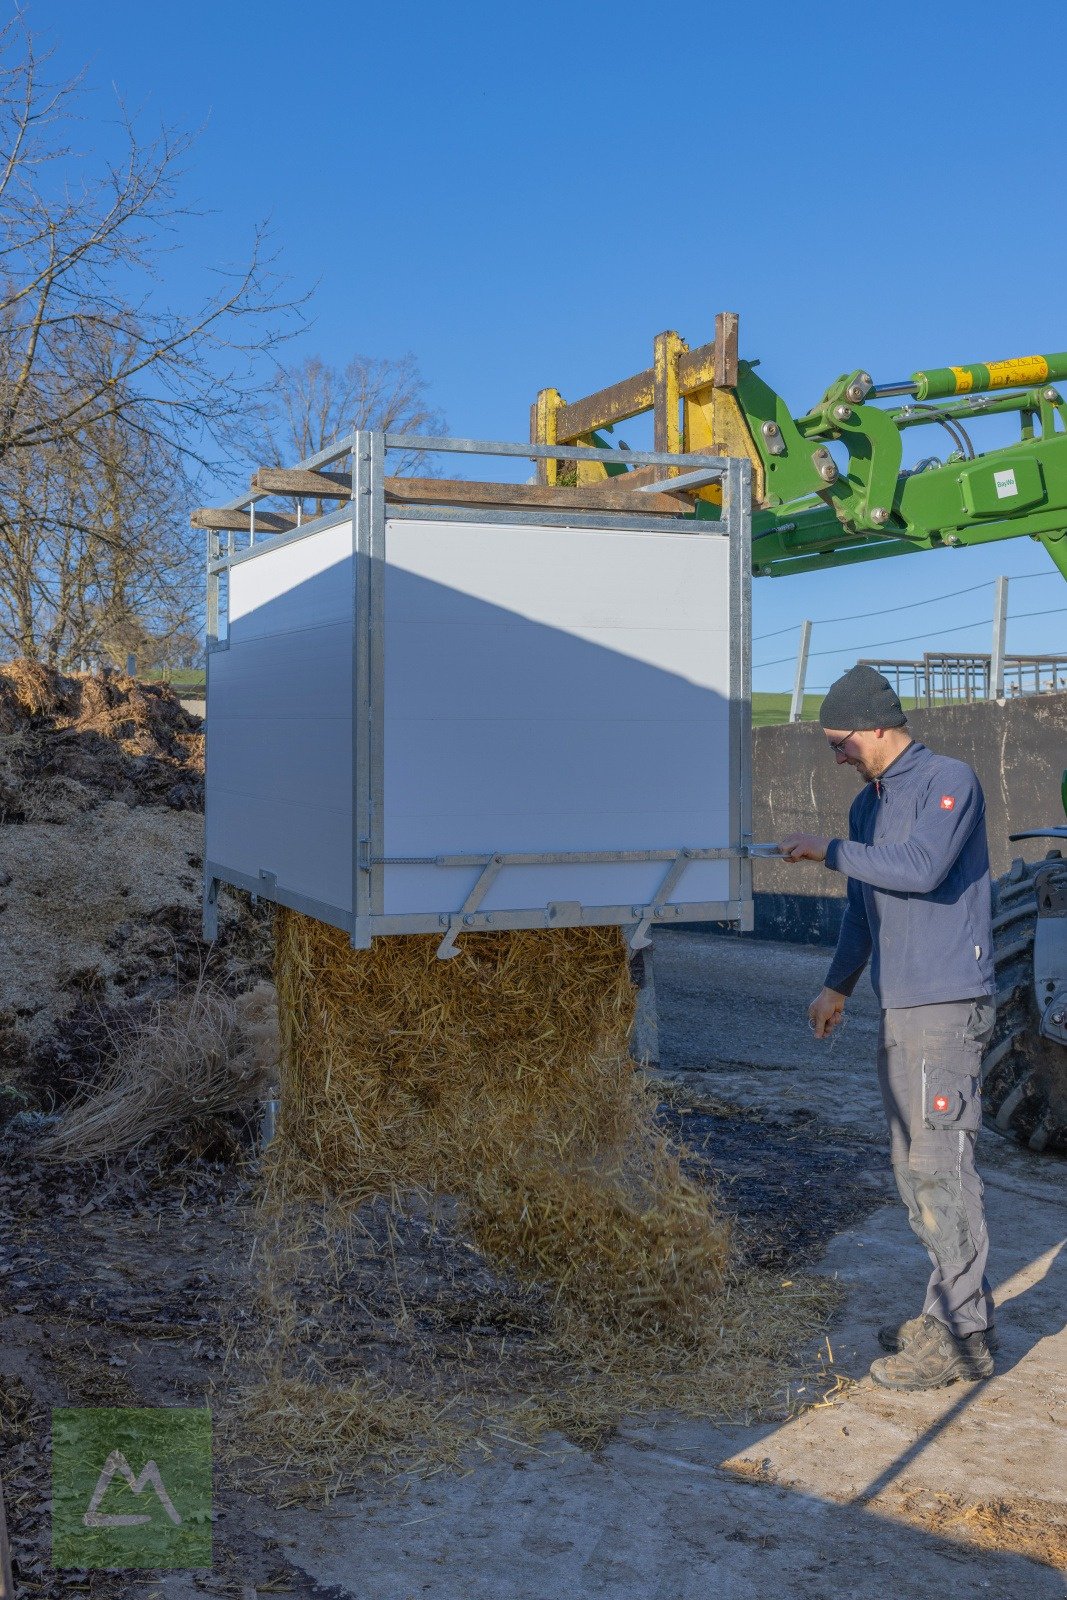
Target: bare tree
(312,404)
(97,556)
(110,398)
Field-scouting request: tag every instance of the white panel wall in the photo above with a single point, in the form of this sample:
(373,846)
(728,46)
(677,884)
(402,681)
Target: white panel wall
(554,689)
(279,724)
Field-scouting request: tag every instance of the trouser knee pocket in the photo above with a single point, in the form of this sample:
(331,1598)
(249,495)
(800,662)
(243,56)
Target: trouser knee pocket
(937,1212)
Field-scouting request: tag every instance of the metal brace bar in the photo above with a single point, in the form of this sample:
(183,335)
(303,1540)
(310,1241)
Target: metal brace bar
(688,480)
(559,858)
(447,948)
(639,939)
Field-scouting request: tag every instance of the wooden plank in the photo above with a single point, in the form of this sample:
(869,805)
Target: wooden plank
(302,484)
(590,497)
(209,517)
(606,496)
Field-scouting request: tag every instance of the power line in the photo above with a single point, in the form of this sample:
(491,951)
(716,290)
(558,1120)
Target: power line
(885,611)
(846,649)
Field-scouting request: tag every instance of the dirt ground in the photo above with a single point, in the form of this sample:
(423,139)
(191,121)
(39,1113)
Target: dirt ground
(134,1281)
(122,1289)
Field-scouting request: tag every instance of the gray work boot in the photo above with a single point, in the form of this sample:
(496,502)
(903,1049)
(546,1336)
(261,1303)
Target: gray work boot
(894,1339)
(933,1357)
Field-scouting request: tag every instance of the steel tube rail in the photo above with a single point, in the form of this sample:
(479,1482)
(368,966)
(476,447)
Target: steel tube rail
(554,452)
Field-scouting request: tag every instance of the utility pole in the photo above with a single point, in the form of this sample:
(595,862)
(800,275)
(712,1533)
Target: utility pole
(796,710)
(1000,633)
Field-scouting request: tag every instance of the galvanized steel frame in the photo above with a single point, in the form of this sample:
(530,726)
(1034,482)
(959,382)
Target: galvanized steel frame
(368,514)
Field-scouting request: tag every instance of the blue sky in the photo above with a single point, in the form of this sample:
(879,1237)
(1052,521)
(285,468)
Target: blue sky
(524,195)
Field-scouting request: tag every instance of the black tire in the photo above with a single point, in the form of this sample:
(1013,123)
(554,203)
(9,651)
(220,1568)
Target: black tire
(1024,1077)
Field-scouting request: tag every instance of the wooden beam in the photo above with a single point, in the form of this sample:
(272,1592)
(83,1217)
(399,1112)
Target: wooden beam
(609,495)
(590,497)
(301,484)
(217,521)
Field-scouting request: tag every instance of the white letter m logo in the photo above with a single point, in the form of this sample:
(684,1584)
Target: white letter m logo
(116,1462)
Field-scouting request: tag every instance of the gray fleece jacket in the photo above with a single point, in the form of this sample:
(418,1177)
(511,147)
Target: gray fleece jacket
(918,902)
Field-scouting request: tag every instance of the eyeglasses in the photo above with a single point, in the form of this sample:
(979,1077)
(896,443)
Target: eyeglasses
(835,744)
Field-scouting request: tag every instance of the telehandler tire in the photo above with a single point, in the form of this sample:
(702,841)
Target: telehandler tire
(1024,1076)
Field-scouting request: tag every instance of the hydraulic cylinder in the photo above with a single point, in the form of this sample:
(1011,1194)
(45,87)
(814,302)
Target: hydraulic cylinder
(1018,372)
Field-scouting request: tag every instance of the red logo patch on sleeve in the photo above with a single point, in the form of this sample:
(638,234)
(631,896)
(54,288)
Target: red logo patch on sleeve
(948,802)
(940,1102)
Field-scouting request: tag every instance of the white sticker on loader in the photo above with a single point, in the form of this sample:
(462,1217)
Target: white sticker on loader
(1005,483)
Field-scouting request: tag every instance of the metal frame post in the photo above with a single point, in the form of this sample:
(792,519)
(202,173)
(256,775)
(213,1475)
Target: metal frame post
(737,514)
(796,709)
(1000,634)
(360,692)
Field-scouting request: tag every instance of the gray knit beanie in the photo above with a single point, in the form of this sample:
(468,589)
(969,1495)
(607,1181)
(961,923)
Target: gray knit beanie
(861,700)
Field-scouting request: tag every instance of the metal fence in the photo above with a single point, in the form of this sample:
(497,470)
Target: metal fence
(940,677)
(965,675)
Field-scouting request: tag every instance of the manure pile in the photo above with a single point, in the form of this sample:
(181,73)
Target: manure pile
(101,840)
(477,1126)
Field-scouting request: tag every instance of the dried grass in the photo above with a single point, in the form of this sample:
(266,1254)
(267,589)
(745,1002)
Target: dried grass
(199,1057)
(499,1079)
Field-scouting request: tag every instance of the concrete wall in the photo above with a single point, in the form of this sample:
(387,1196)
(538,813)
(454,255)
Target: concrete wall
(1017,747)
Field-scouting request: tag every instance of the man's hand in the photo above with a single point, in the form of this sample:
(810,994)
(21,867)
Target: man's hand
(826,1012)
(803,847)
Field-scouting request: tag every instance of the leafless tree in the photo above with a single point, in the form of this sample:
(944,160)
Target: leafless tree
(312,404)
(111,399)
(97,557)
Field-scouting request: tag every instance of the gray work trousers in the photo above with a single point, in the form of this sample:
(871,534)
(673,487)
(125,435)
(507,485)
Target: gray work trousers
(929,1071)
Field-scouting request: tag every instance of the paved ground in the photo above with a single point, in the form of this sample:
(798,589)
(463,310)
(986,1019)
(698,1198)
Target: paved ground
(872,1496)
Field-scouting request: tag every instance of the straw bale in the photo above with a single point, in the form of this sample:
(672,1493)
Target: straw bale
(496,1085)
(501,1078)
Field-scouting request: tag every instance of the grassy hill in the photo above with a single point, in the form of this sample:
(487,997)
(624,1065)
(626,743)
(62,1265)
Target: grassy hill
(770,708)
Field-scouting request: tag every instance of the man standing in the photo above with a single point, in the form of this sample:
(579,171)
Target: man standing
(919,908)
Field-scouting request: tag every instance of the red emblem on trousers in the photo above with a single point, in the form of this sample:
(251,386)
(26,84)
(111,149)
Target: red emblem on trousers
(940,1102)
(948,802)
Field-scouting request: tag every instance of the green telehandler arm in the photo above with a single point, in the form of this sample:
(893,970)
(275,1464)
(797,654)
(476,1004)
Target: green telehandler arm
(873,508)
(808,511)
(811,511)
